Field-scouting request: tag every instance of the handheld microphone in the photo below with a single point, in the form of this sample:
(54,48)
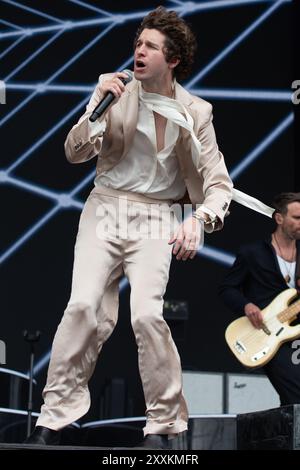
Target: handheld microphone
(109,98)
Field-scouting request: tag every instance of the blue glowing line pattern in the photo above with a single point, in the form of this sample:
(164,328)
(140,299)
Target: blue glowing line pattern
(114,20)
(102,24)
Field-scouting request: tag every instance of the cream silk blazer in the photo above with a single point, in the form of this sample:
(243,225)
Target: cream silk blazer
(208,183)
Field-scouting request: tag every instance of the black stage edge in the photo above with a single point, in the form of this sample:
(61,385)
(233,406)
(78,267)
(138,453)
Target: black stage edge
(296,72)
(205,432)
(260,435)
(275,429)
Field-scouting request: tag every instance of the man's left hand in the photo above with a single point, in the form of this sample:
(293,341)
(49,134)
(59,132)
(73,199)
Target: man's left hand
(187,239)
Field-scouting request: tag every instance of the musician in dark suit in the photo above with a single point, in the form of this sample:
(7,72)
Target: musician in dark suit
(260,272)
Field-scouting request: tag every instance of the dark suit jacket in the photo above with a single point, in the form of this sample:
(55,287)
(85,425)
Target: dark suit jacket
(255,277)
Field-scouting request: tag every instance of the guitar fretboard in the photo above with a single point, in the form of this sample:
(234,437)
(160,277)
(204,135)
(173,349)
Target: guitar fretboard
(290,312)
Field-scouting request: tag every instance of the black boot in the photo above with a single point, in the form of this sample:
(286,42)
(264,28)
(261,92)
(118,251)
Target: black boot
(154,441)
(43,436)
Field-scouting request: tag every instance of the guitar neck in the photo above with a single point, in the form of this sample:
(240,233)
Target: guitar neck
(290,312)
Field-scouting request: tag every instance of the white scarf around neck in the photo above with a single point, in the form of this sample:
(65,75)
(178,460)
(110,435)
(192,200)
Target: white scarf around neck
(177,113)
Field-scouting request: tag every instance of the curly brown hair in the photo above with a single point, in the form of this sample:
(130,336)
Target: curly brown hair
(180,41)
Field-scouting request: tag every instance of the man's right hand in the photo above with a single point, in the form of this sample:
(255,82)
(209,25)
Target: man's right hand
(254,314)
(114,85)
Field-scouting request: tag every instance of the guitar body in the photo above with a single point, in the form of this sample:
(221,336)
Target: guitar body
(255,347)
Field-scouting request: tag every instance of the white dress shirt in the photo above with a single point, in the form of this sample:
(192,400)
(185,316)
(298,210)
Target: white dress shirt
(287,269)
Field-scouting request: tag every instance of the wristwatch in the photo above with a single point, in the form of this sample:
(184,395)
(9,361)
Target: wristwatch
(201,218)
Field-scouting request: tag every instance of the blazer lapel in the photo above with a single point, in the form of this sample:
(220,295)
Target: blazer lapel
(182,95)
(129,108)
(183,144)
(277,267)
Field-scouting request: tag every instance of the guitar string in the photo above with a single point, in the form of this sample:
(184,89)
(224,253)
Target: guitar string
(270,324)
(252,337)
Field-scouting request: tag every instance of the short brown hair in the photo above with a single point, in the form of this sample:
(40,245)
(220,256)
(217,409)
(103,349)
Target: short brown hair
(282,200)
(180,40)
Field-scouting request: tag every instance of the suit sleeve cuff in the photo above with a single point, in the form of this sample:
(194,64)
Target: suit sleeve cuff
(97,128)
(209,224)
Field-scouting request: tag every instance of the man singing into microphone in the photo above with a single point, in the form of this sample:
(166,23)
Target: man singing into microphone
(153,144)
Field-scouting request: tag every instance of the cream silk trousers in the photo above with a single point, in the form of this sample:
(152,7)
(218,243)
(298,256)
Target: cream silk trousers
(101,255)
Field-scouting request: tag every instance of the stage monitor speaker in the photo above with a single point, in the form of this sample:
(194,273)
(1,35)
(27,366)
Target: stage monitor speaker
(203,392)
(249,392)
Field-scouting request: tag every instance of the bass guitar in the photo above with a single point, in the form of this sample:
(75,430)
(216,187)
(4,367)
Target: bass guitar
(255,347)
